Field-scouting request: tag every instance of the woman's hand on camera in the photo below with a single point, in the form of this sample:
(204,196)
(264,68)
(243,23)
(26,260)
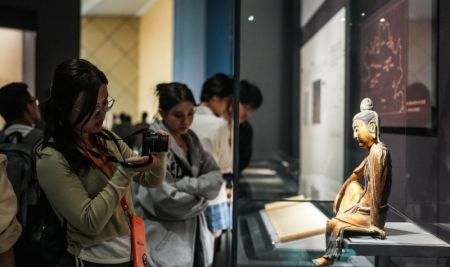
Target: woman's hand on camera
(154,163)
(162,132)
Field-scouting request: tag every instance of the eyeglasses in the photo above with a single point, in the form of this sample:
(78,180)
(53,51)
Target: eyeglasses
(105,107)
(34,99)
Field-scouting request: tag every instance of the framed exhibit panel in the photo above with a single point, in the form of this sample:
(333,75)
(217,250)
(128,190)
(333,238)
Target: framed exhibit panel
(397,65)
(322,105)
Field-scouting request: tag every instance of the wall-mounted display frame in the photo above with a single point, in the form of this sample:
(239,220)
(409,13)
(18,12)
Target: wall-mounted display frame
(322,92)
(397,64)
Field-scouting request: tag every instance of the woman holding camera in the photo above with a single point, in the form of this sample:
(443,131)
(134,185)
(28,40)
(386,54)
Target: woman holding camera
(85,171)
(176,229)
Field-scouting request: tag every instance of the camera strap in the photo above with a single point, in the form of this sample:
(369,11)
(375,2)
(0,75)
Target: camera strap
(136,224)
(93,156)
(109,136)
(140,131)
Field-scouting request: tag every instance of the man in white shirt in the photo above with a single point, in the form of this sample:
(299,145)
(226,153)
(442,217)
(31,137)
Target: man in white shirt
(215,135)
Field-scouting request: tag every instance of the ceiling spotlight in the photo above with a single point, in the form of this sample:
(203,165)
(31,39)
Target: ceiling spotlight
(363,14)
(251,18)
(382,20)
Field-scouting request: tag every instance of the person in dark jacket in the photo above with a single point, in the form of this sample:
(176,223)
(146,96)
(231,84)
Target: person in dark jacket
(250,99)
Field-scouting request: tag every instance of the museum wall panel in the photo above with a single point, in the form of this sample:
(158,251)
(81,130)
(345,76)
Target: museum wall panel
(111,43)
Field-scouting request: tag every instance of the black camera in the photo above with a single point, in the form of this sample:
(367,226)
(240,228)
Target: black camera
(153,142)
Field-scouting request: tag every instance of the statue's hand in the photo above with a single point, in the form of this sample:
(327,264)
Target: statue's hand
(379,231)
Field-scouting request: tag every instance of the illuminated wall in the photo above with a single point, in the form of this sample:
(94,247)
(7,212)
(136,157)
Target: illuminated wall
(155,53)
(322,110)
(10,58)
(112,44)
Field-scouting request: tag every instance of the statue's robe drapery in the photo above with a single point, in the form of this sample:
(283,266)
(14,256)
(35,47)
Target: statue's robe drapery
(362,207)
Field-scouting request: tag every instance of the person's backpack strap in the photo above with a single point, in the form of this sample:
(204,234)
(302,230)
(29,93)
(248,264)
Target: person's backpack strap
(33,137)
(20,171)
(30,139)
(17,136)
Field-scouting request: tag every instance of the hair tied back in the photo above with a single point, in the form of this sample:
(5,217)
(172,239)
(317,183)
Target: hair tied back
(366,104)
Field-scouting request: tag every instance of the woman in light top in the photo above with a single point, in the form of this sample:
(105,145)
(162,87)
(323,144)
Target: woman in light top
(76,171)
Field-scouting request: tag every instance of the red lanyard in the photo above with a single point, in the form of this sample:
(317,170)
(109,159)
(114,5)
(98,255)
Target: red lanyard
(94,160)
(97,164)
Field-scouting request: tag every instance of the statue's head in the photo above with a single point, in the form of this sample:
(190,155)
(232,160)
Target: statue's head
(366,125)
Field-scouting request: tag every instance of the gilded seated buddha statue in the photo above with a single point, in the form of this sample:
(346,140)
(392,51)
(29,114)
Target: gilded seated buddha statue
(361,209)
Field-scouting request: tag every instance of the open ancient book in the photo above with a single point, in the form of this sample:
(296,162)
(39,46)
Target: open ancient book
(293,220)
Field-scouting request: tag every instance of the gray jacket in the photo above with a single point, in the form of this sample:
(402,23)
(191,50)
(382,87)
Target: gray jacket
(173,212)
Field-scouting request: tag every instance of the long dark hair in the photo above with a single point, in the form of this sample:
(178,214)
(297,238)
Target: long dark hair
(72,78)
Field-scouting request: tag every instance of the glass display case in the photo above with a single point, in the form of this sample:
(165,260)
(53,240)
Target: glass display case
(259,245)
(314,62)
(259,242)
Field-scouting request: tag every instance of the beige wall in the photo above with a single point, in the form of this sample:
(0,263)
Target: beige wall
(155,52)
(10,55)
(10,58)
(135,54)
(111,43)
